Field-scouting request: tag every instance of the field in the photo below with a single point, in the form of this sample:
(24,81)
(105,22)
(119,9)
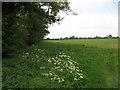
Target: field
(84,63)
(103,43)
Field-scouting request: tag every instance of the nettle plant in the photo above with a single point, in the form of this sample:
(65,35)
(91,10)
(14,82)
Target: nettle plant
(65,71)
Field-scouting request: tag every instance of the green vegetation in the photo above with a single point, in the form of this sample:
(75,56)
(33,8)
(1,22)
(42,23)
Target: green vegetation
(26,23)
(30,63)
(39,68)
(104,43)
(45,65)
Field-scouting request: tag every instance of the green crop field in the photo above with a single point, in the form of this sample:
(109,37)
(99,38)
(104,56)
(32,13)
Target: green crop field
(84,63)
(104,43)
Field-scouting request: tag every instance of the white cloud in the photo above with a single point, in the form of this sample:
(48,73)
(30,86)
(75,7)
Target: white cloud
(91,2)
(86,24)
(93,5)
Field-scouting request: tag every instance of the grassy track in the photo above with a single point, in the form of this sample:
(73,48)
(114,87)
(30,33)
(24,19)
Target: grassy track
(97,58)
(104,43)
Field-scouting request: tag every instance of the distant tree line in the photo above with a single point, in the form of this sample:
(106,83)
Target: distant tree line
(96,37)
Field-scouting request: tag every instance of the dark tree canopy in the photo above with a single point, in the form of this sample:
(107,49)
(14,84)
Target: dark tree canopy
(109,36)
(26,23)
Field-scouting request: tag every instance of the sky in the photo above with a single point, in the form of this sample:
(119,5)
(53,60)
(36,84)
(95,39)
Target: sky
(95,18)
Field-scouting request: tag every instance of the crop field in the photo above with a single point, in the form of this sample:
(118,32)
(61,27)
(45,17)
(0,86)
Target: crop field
(104,43)
(84,63)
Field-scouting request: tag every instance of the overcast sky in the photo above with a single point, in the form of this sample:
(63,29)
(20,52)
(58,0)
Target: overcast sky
(95,17)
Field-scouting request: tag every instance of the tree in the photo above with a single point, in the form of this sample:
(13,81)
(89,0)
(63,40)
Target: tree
(76,37)
(26,23)
(66,38)
(97,37)
(72,37)
(109,36)
(61,38)
(47,38)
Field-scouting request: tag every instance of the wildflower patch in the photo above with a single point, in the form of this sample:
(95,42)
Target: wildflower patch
(64,70)
(61,69)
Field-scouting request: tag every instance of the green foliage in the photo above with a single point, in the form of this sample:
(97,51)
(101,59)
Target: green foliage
(32,69)
(26,23)
(72,37)
(109,36)
(65,71)
(13,39)
(100,64)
